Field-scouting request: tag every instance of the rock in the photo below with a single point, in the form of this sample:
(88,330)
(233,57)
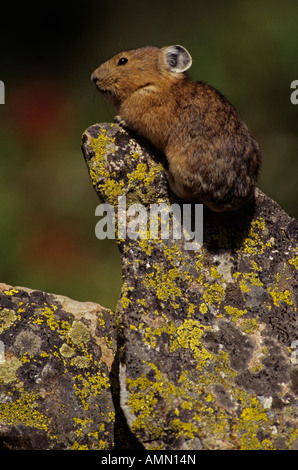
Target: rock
(207,340)
(55,373)
(202,352)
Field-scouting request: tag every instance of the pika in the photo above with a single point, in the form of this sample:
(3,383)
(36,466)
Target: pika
(212,156)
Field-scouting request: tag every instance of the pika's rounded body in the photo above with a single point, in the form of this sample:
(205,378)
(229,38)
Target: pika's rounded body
(212,156)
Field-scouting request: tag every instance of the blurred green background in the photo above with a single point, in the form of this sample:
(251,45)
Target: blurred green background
(248,50)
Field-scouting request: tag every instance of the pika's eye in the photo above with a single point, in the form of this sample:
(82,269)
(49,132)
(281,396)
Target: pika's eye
(122,61)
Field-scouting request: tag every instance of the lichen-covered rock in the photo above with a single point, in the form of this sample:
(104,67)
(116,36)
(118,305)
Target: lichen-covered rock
(55,368)
(208,341)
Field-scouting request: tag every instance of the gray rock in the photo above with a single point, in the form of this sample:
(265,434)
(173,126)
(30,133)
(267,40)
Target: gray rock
(55,375)
(202,352)
(207,336)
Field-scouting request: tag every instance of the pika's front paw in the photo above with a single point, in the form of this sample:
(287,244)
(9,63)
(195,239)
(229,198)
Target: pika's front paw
(118,120)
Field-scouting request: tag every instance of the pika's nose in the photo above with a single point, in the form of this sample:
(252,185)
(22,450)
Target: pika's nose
(94,78)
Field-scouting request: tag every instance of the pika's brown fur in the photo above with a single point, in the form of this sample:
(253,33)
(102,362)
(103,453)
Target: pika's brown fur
(212,155)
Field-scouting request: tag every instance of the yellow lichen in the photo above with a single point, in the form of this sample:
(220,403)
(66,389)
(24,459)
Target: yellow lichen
(188,336)
(250,325)
(77,446)
(253,414)
(111,188)
(8,370)
(191,309)
(99,143)
(214,273)
(79,333)
(151,334)
(23,411)
(139,174)
(294,262)
(11,291)
(284,296)
(235,313)
(7,318)
(146,246)
(254,243)
(66,350)
(246,280)
(48,314)
(203,308)
(214,294)
(90,385)
(143,173)
(164,282)
(184,429)
(82,362)
(251,419)
(124,295)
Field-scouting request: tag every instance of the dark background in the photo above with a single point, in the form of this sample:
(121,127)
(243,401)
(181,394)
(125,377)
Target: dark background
(248,50)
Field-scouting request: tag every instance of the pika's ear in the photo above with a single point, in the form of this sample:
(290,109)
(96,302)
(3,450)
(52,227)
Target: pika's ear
(177,58)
